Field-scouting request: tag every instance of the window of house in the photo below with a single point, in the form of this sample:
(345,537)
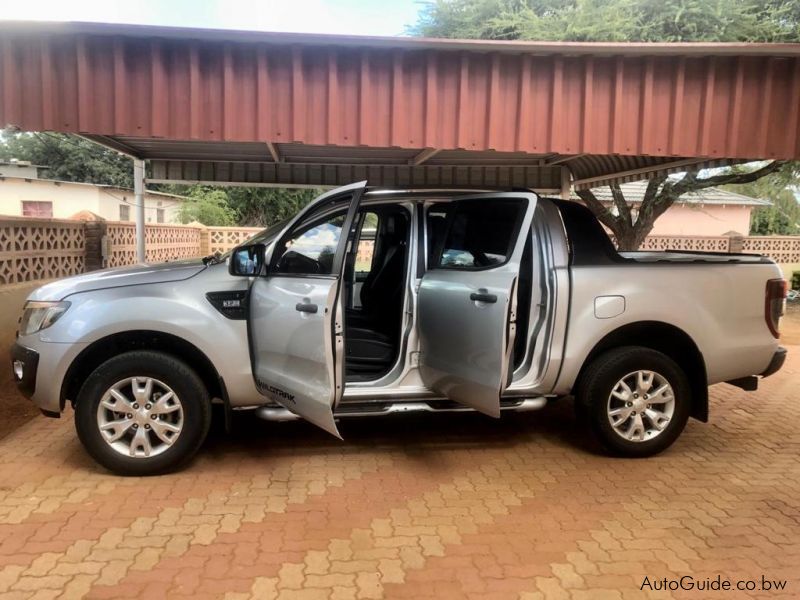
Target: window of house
(481,234)
(124,212)
(40,209)
(159,215)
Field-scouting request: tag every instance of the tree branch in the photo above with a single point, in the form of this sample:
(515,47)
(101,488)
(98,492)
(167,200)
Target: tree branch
(605,216)
(623,207)
(690,183)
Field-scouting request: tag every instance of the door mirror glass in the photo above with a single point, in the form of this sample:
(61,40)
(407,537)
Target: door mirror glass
(246,261)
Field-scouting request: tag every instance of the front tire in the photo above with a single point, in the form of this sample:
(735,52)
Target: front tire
(635,400)
(142,413)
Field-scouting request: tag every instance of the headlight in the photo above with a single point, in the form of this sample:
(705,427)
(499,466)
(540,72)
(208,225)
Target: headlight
(40,315)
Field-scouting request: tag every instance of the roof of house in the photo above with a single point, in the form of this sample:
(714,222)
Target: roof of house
(634,192)
(95,185)
(19,163)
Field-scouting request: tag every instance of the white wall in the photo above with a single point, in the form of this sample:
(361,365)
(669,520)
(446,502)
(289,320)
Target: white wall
(112,199)
(71,198)
(67,198)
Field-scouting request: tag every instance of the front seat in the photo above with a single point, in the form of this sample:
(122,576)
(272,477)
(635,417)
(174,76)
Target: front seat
(371,333)
(382,290)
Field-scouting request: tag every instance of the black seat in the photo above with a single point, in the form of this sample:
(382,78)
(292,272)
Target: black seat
(382,290)
(368,352)
(372,332)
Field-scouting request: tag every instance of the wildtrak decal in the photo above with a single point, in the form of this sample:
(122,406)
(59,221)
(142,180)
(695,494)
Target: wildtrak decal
(270,390)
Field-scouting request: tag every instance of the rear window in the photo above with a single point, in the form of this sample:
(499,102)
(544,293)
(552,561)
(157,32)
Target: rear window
(481,234)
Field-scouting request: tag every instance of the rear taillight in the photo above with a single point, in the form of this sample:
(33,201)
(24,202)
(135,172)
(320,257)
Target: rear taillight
(774,304)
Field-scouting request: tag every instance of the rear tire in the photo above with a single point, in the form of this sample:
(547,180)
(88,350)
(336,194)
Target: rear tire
(142,413)
(635,400)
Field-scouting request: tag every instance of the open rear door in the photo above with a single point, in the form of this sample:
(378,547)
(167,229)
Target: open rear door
(467,300)
(296,313)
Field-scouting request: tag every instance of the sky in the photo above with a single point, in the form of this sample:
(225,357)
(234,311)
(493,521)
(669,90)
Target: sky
(357,17)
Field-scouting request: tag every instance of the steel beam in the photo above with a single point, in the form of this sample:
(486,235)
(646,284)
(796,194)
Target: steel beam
(138,194)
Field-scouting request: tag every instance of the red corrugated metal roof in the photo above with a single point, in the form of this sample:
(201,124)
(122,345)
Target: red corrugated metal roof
(599,102)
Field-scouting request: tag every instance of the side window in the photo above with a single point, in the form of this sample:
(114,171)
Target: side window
(366,243)
(311,249)
(480,234)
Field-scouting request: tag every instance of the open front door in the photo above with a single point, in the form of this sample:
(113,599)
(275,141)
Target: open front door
(467,300)
(296,313)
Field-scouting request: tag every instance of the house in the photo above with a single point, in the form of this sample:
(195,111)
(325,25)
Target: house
(24,194)
(709,212)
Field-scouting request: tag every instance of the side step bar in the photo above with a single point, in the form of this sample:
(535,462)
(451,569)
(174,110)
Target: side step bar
(279,413)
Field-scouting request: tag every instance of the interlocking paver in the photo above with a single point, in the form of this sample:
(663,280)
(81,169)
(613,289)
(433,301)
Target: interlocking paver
(455,506)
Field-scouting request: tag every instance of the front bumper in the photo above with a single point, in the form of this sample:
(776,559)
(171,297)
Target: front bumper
(24,365)
(776,363)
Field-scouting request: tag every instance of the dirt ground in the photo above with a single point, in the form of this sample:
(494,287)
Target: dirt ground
(14,409)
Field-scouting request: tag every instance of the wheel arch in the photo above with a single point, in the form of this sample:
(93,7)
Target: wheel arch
(101,350)
(669,340)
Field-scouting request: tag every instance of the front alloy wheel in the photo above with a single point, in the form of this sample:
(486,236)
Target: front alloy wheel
(142,413)
(140,416)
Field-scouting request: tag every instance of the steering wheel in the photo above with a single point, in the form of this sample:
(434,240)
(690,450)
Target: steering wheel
(294,262)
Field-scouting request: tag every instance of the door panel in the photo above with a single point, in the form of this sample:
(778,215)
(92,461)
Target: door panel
(467,302)
(296,311)
(293,349)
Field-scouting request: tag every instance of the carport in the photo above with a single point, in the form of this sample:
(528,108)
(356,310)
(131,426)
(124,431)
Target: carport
(277,109)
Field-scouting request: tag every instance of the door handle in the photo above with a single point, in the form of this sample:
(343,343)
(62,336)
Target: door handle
(306,307)
(483,297)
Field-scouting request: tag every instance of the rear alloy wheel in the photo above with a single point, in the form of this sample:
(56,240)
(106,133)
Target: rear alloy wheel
(142,413)
(636,400)
(641,406)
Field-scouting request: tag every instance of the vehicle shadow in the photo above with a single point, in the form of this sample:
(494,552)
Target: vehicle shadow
(415,435)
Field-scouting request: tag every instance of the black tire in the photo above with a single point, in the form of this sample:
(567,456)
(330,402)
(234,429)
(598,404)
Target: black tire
(598,381)
(189,388)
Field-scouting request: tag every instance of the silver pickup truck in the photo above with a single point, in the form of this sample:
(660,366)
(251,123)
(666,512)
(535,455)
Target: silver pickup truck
(375,302)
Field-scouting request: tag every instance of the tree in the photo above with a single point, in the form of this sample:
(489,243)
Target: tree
(207,205)
(612,20)
(265,206)
(661,193)
(68,158)
(782,188)
(621,21)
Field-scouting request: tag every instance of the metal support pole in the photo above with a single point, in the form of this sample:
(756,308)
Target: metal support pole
(138,194)
(566,180)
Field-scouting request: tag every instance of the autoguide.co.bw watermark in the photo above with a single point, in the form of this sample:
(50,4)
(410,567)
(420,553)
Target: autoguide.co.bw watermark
(717,584)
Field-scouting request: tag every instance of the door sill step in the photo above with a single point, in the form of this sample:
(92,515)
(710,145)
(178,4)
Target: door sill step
(371,409)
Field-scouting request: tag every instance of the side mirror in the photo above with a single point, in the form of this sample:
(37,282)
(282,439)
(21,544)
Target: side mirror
(246,261)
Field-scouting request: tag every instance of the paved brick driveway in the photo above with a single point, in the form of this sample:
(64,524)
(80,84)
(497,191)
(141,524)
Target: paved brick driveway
(447,507)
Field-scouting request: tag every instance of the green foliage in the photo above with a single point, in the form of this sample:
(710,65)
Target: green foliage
(207,205)
(639,21)
(253,207)
(265,206)
(783,190)
(796,280)
(613,20)
(68,158)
